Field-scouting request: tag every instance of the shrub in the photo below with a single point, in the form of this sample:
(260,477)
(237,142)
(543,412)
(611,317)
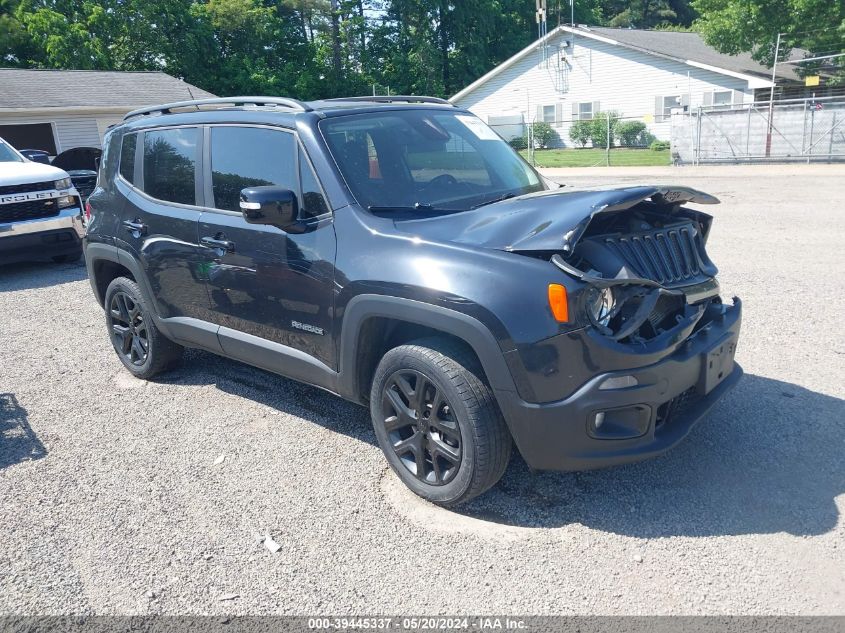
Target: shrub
(580,132)
(598,128)
(629,132)
(519,143)
(544,134)
(659,146)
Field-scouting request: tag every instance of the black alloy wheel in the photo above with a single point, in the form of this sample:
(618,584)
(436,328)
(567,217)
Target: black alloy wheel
(421,427)
(128,329)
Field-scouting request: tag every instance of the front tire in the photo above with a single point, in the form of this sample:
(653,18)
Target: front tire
(139,344)
(437,421)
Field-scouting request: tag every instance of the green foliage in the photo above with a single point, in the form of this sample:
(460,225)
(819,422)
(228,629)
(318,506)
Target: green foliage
(599,126)
(736,26)
(629,132)
(300,48)
(659,146)
(543,134)
(580,132)
(519,142)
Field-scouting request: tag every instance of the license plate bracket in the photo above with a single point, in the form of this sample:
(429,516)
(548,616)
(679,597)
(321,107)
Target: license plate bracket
(717,364)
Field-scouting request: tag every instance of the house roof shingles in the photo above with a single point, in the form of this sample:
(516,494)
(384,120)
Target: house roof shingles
(692,47)
(38,89)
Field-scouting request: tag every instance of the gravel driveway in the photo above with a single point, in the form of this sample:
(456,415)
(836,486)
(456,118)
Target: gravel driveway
(115,499)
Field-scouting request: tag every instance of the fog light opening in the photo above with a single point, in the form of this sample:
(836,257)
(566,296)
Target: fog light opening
(619,382)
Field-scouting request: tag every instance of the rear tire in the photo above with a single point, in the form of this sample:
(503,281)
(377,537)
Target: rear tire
(437,421)
(139,344)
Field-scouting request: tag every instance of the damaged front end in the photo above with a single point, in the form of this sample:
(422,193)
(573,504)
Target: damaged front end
(646,264)
(651,348)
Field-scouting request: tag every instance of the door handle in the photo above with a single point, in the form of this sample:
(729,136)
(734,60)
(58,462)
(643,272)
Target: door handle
(214,242)
(135,226)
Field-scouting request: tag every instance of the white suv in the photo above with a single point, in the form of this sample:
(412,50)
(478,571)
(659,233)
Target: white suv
(40,210)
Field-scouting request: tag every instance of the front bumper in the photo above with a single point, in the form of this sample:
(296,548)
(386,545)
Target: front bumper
(642,413)
(43,237)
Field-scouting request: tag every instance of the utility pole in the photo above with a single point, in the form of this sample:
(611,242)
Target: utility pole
(336,63)
(772,99)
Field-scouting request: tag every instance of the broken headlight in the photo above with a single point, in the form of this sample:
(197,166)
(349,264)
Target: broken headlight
(600,304)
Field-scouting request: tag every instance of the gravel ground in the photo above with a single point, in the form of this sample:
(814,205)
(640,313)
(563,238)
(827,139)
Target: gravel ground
(115,501)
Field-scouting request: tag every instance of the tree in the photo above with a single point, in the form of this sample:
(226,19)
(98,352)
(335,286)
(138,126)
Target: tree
(644,14)
(543,134)
(580,132)
(599,127)
(629,133)
(736,26)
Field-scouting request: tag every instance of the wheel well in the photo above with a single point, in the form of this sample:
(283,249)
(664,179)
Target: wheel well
(378,335)
(105,272)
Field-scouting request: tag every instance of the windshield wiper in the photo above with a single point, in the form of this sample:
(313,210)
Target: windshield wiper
(504,196)
(416,207)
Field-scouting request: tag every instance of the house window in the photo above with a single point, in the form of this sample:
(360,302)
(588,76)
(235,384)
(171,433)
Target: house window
(669,103)
(723,98)
(665,105)
(548,114)
(585,110)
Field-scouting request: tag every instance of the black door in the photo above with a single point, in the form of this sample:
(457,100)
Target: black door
(269,290)
(160,221)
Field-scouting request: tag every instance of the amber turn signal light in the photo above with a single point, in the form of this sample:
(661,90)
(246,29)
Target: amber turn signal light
(558,302)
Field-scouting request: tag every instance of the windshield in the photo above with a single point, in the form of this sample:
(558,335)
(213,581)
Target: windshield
(425,161)
(8,155)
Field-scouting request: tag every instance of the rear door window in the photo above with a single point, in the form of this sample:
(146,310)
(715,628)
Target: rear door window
(250,157)
(170,164)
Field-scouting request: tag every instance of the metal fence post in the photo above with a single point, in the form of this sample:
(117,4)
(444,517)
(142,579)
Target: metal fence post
(607,151)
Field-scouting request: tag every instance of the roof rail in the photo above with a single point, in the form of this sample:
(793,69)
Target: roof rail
(221,102)
(395,99)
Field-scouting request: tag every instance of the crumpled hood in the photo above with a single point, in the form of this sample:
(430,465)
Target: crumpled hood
(543,221)
(22,173)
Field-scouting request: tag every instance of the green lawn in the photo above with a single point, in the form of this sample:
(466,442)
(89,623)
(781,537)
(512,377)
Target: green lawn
(589,157)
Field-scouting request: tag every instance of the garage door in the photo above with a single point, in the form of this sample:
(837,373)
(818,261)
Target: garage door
(30,136)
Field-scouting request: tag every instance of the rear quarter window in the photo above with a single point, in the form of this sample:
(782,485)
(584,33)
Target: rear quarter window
(127,157)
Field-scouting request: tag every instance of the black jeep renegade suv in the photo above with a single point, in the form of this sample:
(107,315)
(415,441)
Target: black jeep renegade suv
(398,253)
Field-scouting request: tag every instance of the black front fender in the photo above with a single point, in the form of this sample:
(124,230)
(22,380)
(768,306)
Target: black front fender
(467,328)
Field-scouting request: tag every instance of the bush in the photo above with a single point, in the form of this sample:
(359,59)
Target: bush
(580,132)
(519,143)
(629,132)
(659,146)
(543,134)
(598,128)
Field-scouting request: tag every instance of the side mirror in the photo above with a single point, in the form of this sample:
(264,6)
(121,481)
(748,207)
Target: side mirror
(270,205)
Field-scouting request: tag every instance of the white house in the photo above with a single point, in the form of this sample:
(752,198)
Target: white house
(56,110)
(574,73)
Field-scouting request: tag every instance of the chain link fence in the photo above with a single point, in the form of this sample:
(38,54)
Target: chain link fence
(808,130)
(605,138)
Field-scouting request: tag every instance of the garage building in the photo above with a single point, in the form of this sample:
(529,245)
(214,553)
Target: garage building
(56,110)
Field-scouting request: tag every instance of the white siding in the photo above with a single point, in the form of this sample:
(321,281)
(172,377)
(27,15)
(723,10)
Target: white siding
(617,78)
(69,130)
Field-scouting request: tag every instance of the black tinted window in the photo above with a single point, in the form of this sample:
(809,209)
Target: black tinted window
(313,203)
(127,157)
(249,157)
(413,159)
(170,160)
